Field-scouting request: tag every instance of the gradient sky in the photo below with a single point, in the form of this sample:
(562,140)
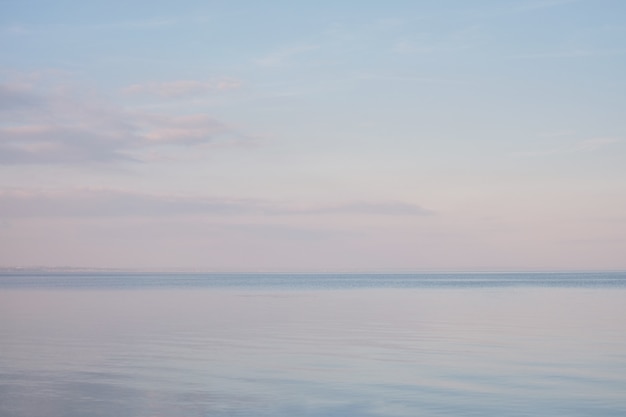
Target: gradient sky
(326,135)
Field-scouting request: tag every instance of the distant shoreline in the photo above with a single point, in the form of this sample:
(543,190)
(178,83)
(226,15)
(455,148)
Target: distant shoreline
(172,270)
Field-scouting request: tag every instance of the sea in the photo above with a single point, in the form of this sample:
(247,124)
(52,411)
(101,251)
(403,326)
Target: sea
(116,344)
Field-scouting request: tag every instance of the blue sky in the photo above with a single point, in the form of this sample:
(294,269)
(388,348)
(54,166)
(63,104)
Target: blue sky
(240,135)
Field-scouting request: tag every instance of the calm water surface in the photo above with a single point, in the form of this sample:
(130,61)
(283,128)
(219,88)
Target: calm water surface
(312,345)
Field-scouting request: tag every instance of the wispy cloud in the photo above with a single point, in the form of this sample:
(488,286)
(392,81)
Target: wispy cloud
(594,144)
(62,126)
(531,5)
(572,53)
(146,23)
(557,133)
(411,46)
(284,56)
(59,144)
(429,43)
(519,7)
(16,30)
(87,202)
(586,145)
(408,78)
(112,203)
(378,208)
(21,29)
(188,129)
(17,95)
(183,88)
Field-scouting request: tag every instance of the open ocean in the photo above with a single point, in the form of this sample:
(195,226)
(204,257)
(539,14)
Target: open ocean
(313,345)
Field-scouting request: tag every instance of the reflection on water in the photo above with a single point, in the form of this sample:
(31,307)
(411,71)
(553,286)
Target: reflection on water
(312,350)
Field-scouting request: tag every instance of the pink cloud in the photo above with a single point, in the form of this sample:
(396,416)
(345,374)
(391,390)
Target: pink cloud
(181,129)
(183,88)
(63,126)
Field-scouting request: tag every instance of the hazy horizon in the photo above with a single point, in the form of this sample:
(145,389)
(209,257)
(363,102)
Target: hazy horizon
(258,271)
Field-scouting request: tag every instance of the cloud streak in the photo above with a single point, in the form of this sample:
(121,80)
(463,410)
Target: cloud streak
(572,53)
(26,203)
(130,25)
(284,56)
(183,88)
(587,145)
(521,7)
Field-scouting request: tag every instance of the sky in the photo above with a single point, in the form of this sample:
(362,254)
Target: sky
(344,135)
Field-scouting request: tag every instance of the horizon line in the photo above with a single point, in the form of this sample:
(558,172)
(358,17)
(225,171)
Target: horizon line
(206,270)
